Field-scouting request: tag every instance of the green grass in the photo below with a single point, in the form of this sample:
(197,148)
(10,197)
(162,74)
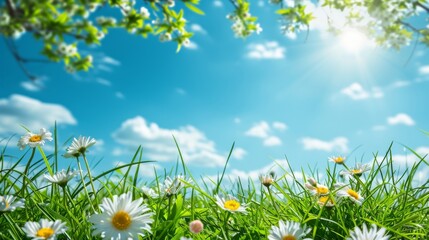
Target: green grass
(392,200)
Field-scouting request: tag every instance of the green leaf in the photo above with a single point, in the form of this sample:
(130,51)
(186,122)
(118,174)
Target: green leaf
(194,9)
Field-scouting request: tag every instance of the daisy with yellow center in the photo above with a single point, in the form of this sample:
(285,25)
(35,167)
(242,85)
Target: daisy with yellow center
(122,218)
(357,171)
(79,146)
(315,188)
(230,204)
(8,203)
(33,140)
(44,229)
(337,159)
(372,233)
(289,230)
(345,191)
(326,201)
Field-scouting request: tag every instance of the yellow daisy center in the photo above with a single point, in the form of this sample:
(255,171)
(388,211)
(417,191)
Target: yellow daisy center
(232,205)
(35,138)
(323,199)
(356,171)
(326,199)
(322,190)
(6,204)
(353,194)
(121,220)
(289,237)
(339,159)
(45,233)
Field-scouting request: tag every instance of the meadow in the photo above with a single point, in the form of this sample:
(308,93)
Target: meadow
(38,200)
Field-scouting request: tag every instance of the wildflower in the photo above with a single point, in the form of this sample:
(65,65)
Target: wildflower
(61,178)
(357,171)
(196,226)
(150,192)
(258,28)
(122,218)
(165,37)
(33,140)
(337,159)
(67,50)
(144,12)
(172,186)
(368,234)
(8,203)
(171,3)
(315,188)
(186,42)
(326,201)
(230,204)
(79,146)
(44,229)
(100,35)
(288,230)
(267,180)
(345,191)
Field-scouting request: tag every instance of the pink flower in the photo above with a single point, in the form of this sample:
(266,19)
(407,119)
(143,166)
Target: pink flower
(196,226)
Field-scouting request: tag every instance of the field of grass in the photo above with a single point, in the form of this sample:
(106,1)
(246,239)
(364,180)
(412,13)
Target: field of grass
(370,201)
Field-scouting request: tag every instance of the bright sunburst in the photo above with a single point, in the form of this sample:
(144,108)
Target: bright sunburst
(353,40)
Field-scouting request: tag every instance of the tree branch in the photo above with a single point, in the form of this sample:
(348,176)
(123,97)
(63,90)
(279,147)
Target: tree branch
(10,7)
(422,6)
(19,59)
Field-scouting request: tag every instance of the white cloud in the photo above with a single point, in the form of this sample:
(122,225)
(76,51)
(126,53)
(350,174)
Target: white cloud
(263,130)
(291,35)
(410,159)
(424,70)
(267,50)
(337,144)
(238,153)
(160,146)
(279,126)
(399,84)
(217,3)
(198,29)
(34,85)
(110,60)
(272,141)
(32,113)
(191,46)
(259,130)
(356,92)
(103,81)
(120,95)
(400,118)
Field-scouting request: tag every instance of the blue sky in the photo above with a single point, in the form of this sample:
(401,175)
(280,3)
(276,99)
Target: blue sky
(272,95)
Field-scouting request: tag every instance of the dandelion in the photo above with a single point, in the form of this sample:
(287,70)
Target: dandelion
(61,178)
(196,226)
(44,229)
(337,159)
(347,192)
(267,179)
(357,171)
(8,203)
(230,204)
(79,146)
(288,230)
(122,218)
(33,140)
(368,234)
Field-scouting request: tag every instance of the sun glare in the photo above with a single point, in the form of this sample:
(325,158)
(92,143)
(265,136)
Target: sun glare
(353,40)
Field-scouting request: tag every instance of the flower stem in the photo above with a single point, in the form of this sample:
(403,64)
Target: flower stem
(83,182)
(89,174)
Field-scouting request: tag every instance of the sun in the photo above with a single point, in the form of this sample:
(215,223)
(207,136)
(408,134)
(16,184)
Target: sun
(353,40)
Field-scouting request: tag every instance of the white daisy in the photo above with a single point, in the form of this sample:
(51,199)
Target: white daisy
(357,171)
(368,234)
(326,201)
(79,146)
(347,192)
(44,229)
(33,140)
(315,188)
(61,178)
(150,192)
(231,204)
(288,230)
(173,186)
(8,203)
(122,218)
(267,179)
(337,159)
